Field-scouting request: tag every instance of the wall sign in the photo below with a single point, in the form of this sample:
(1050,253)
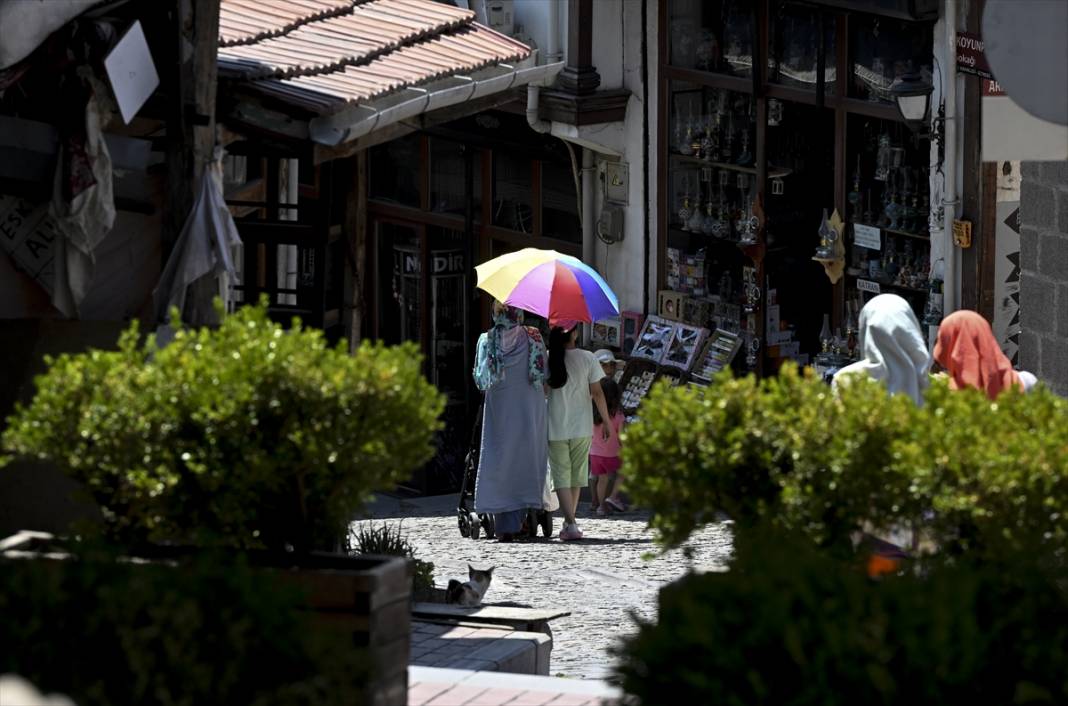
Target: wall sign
(867,237)
(27,234)
(970,56)
(866,285)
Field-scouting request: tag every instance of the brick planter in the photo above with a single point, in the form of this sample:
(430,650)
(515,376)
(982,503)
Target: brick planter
(366,596)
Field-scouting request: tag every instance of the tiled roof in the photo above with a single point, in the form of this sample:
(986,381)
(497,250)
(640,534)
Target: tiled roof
(325,54)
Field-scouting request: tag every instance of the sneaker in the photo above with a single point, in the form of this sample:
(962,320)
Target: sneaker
(615,505)
(570,533)
(601,511)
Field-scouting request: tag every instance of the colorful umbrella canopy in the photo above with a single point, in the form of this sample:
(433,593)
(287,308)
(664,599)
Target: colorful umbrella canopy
(559,287)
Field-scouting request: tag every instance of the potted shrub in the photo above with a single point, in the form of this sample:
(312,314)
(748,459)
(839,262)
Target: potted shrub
(789,625)
(249,437)
(976,475)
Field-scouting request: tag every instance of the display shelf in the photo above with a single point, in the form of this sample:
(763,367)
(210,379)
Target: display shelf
(707,239)
(891,231)
(890,285)
(773,172)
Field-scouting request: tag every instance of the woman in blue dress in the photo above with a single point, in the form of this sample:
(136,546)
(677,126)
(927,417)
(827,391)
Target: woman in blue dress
(510,367)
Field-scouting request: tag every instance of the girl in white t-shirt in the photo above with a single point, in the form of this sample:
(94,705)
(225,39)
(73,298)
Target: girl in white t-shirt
(574,380)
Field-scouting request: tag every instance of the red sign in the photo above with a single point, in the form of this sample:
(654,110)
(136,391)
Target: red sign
(992,88)
(970,56)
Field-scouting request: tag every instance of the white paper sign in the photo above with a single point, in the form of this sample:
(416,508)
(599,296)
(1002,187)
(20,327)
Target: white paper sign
(131,72)
(866,285)
(867,237)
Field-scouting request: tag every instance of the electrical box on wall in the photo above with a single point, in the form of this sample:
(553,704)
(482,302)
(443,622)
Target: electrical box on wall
(496,14)
(616,183)
(610,225)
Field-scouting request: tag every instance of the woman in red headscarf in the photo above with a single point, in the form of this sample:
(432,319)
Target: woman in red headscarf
(970,354)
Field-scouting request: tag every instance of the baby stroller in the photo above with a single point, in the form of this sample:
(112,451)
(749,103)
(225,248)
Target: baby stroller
(474,524)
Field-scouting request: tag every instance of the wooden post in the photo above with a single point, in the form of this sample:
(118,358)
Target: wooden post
(579,76)
(355,234)
(190,126)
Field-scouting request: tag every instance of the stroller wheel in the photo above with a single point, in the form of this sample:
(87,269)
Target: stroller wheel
(475,525)
(546,524)
(464,523)
(489,526)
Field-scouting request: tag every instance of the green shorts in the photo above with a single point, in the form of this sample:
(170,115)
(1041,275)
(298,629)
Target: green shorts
(569,462)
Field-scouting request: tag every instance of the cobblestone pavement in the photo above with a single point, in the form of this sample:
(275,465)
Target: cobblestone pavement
(600,579)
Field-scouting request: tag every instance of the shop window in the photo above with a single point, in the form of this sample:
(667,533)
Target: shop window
(793,55)
(394,171)
(512,192)
(447,178)
(399,274)
(883,49)
(449,297)
(712,181)
(711,35)
(559,203)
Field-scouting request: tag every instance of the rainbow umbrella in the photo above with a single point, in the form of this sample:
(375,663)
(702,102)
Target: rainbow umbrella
(559,287)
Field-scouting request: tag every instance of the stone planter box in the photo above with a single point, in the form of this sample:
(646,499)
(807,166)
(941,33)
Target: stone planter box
(367,596)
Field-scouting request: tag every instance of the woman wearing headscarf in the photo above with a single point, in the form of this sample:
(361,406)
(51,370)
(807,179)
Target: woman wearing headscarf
(510,367)
(971,356)
(891,343)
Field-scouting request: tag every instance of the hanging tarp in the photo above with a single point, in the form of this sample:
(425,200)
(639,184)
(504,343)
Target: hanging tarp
(205,245)
(27,24)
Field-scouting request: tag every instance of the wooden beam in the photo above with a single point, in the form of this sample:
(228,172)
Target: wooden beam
(190,126)
(355,233)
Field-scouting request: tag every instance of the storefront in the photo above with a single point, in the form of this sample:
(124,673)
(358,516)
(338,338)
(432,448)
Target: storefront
(774,115)
(439,203)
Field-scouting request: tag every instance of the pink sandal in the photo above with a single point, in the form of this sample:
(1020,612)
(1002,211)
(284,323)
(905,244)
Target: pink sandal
(615,505)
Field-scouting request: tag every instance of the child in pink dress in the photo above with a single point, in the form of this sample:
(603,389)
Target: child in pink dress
(604,454)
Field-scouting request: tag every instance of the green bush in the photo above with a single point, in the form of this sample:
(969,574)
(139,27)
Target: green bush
(789,451)
(210,631)
(246,435)
(388,540)
(788,625)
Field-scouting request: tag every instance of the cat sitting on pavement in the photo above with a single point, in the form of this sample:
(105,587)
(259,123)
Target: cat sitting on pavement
(470,592)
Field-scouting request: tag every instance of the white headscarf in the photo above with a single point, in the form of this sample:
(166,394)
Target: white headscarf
(892,347)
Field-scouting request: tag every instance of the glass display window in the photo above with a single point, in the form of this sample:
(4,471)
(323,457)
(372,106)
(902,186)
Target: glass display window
(794,38)
(513,181)
(883,49)
(711,35)
(392,178)
(447,178)
(559,203)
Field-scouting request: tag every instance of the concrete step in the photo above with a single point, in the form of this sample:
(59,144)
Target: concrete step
(455,687)
(479,647)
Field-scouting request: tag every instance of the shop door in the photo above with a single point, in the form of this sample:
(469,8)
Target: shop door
(424,288)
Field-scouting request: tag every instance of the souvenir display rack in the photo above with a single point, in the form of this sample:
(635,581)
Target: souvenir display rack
(762,113)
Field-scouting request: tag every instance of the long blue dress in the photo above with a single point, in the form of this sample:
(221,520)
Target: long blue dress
(514,454)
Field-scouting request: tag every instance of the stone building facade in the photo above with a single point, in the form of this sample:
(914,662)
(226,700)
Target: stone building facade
(1044,272)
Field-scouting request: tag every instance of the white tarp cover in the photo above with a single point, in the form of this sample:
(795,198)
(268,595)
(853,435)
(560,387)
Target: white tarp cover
(85,220)
(25,24)
(204,246)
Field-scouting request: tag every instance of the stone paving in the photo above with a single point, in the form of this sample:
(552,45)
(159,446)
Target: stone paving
(600,579)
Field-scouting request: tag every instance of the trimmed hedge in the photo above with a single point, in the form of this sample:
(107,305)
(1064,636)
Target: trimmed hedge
(210,631)
(248,435)
(978,475)
(789,625)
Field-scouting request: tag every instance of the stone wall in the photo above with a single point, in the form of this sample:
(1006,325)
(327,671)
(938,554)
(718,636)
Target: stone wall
(1044,272)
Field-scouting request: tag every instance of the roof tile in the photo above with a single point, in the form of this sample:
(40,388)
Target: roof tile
(325,54)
